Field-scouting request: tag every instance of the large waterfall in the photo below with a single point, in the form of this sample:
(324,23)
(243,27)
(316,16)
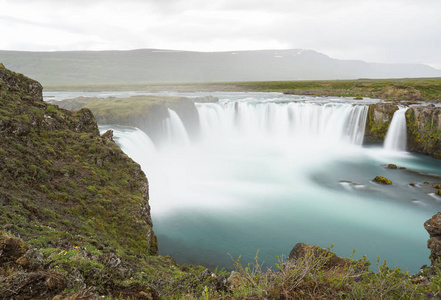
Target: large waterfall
(267,173)
(285,122)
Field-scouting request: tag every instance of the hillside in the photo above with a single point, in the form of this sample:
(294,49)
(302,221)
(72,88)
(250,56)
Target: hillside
(152,65)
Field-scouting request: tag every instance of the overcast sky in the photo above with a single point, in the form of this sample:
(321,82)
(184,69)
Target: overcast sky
(388,31)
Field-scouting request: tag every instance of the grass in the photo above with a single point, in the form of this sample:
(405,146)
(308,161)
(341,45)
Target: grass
(122,111)
(426,89)
(316,274)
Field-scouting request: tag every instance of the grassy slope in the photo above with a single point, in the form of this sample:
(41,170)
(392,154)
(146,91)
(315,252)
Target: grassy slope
(56,176)
(121,111)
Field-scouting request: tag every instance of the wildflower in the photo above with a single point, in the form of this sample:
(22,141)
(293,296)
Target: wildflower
(357,279)
(438,295)
(429,295)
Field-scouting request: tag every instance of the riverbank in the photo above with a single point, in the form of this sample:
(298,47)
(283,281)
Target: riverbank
(407,89)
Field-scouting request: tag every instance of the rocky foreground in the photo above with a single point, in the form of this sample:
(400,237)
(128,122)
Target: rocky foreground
(75,224)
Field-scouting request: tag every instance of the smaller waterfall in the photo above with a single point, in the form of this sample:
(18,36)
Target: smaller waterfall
(176,132)
(134,142)
(396,138)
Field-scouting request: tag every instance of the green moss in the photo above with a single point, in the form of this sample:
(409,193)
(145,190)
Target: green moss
(382,180)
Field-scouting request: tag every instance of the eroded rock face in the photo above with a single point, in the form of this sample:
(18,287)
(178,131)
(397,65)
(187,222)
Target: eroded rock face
(424,130)
(19,82)
(378,121)
(55,158)
(433,227)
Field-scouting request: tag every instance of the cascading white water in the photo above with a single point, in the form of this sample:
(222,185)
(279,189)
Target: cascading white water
(300,122)
(396,137)
(176,132)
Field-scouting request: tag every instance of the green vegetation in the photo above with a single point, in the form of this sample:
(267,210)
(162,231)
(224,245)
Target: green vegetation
(418,89)
(382,180)
(89,271)
(122,111)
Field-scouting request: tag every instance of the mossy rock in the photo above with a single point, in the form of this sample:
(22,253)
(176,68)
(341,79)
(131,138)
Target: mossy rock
(437,186)
(392,166)
(438,192)
(62,183)
(382,180)
(378,121)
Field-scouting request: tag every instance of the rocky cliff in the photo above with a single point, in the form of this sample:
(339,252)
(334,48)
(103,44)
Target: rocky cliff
(378,121)
(424,130)
(63,183)
(423,127)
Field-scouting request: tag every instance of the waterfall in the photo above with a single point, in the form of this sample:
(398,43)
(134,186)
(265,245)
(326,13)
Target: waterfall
(396,134)
(134,142)
(327,123)
(261,166)
(175,129)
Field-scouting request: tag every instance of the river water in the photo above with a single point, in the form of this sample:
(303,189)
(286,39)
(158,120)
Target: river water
(268,171)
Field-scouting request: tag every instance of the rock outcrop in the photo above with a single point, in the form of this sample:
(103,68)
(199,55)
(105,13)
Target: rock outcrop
(424,130)
(423,127)
(18,82)
(433,227)
(148,113)
(324,258)
(378,121)
(61,182)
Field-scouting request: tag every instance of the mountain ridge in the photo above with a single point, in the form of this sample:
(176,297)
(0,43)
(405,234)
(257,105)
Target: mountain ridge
(162,65)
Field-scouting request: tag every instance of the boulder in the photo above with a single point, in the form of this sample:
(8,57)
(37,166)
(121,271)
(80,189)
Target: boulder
(382,180)
(331,262)
(433,227)
(392,166)
(11,249)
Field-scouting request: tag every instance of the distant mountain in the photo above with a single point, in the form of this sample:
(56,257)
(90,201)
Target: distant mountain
(152,65)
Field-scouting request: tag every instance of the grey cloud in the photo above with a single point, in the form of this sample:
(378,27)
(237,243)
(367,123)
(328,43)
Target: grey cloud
(372,30)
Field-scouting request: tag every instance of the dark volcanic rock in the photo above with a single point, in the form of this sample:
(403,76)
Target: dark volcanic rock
(433,227)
